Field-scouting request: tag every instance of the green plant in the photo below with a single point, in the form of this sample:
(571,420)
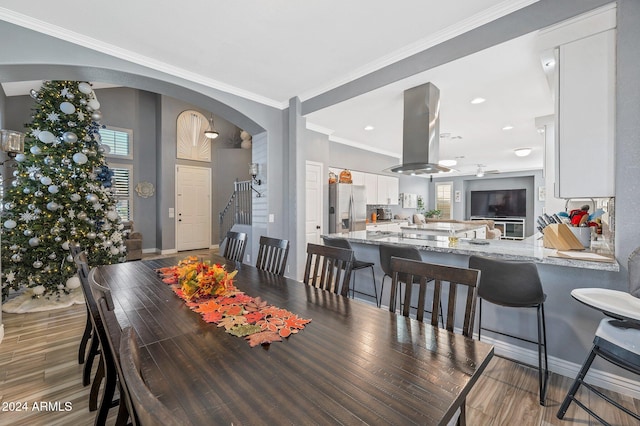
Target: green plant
(432,213)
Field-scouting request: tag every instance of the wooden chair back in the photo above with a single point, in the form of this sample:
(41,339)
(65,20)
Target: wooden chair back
(235,245)
(148,410)
(439,274)
(112,334)
(328,268)
(272,255)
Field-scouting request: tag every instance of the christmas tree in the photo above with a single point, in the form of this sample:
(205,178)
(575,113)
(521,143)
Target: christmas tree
(61,195)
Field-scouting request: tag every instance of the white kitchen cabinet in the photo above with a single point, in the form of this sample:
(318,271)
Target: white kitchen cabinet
(388,190)
(371,188)
(585,117)
(357,178)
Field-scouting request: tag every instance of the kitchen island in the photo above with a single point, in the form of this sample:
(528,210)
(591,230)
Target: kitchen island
(570,324)
(530,249)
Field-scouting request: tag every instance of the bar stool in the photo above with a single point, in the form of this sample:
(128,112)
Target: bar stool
(516,285)
(386,253)
(357,264)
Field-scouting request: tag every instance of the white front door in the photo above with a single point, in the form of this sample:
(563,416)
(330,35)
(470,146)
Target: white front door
(313,195)
(193,212)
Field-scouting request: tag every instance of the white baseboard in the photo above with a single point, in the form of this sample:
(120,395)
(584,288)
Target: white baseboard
(594,377)
(1,332)
(150,250)
(169,251)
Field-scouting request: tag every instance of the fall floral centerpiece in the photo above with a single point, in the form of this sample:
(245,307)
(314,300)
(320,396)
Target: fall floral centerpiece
(209,290)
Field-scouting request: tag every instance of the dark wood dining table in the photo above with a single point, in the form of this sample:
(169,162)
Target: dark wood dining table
(353,363)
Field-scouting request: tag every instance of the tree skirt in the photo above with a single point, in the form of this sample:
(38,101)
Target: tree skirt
(25,302)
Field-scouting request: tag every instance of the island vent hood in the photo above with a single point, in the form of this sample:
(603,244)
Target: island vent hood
(420,132)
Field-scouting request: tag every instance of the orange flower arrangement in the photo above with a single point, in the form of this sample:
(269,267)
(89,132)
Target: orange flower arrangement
(197,279)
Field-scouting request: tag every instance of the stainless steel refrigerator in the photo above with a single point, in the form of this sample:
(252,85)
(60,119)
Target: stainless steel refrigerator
(347,208)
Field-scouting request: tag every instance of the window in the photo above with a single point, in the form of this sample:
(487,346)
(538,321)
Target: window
(122,178)
(119,141)
(443,199)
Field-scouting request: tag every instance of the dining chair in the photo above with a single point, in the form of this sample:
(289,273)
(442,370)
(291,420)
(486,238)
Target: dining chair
(234,246)
(107,367)
(272,255)
(94,348)
(425,273)
(357,265)
(147,408)
(80,259)
(616,336)
(514,285)
(386,252)
(328,268)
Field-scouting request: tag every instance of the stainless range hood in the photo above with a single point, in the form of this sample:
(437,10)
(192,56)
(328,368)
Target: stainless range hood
(421,131)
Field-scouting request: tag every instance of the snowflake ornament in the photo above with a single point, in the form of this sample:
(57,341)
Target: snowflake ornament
(28,217)
(11,277)
(64,92)
(53,117)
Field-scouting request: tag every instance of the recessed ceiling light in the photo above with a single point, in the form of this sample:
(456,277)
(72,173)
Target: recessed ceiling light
(477,101)
(368,128)
(507,127)
(447,163)
(522,152)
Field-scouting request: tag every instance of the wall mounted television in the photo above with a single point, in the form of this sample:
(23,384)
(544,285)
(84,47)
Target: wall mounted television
(499,203)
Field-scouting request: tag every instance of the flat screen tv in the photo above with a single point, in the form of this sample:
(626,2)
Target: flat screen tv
(499,203)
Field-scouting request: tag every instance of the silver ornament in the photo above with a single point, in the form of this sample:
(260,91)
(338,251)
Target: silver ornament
(52,256)
(83,175)
(48,160)
(70,137)
(27,232)
(26,191)
(69,258)
(61,220)
(72,232)
(91,153)
(15,173)
(15,183)
(96,116)
(57,239)
(85,150)
(92,198)
(34,94)
(8,206)
(66,161)
(91,235)
(37,211)
(38,193)
(31,206)
(81,215)
(14,247)
(83,101)
(16,258)
(37,264)
(34,242)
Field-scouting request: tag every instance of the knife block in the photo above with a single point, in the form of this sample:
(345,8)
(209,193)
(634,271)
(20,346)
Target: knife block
(559,236)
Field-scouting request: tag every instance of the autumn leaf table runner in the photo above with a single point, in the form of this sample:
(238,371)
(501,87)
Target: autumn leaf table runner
(208,289)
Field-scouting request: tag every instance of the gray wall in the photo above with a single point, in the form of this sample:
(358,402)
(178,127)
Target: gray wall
(152,119)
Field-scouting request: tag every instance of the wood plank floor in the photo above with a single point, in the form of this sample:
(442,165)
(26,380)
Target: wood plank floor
(38,363)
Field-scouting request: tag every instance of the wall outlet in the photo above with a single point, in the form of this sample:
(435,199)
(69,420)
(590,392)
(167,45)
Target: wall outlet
(272,218)
(248,258)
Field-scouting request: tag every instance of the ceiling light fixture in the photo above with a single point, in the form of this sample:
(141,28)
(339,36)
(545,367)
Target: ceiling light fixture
(522,152)
(480,172)
(369,128)
(507,127)
(476,101)
(211,132)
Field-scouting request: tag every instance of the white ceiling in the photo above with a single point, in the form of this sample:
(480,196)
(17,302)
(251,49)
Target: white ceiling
(273,51)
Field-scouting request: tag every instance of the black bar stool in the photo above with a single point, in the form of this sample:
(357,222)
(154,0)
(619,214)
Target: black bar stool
(516,285)
(357,264)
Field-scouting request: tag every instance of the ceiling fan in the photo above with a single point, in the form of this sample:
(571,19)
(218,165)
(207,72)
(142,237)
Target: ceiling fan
(480,172)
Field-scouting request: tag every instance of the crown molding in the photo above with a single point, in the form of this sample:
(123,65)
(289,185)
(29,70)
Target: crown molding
(127,55)
(448,33)
(320,129)
(364,147)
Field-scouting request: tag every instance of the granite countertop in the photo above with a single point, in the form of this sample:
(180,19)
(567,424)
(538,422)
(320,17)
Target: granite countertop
(529,249)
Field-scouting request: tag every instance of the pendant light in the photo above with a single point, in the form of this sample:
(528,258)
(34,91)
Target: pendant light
(211,132)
